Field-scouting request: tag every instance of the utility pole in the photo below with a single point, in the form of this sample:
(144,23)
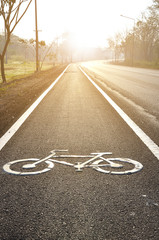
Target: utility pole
(37,41)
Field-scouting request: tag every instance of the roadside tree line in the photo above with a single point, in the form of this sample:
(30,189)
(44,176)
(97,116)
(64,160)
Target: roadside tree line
(140,44)
(11,15)
(12,11)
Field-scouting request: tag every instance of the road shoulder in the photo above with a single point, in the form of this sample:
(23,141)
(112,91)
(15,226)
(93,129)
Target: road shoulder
(17,96)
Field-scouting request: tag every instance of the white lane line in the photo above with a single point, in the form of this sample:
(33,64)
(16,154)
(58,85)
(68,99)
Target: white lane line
(7,136)
(153,147)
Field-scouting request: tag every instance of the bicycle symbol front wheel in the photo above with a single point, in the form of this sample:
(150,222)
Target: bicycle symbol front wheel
(127,167)
(17,167)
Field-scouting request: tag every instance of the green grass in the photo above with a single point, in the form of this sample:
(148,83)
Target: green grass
(146,64)
(20,69)
(5,87)
(140,64)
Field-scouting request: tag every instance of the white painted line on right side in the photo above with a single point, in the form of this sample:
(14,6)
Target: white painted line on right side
(153,147)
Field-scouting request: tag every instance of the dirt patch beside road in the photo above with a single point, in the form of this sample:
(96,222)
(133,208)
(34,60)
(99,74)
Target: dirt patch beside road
(18,95)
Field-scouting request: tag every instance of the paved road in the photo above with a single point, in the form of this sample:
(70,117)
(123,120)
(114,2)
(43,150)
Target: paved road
(63,203)
(136,90)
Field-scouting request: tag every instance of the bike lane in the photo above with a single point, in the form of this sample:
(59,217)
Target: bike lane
(63,203)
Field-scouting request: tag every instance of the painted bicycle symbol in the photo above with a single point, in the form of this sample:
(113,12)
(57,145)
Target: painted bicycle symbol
(97,161)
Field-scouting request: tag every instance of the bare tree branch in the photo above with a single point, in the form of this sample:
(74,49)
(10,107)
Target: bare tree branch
(11,17)
(21,16)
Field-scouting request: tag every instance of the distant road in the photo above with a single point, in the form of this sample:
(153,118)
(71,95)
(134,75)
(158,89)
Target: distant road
(136,89)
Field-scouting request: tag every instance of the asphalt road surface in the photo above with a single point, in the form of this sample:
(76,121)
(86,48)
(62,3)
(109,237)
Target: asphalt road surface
(135,90)
(63,203)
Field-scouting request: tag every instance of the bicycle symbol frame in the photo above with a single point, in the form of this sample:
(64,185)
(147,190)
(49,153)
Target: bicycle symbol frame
(95,161)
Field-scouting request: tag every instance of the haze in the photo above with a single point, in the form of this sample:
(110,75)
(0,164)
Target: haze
(91,22)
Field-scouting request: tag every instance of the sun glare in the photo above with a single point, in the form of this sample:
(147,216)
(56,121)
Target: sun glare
(85,20)
(90,21)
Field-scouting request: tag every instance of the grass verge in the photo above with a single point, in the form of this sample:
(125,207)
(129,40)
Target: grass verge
(140,64)
(20,69)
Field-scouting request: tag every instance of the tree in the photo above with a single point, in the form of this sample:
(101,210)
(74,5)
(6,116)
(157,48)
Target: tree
(156,3)
(10,12)
(67,46)
(115,45)
(128,47)
(147,35)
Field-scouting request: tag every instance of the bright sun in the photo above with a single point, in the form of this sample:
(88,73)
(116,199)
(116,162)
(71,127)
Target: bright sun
(83,18)
(91,21)
(83,21)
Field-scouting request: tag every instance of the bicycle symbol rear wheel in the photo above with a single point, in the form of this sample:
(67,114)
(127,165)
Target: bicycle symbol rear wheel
(128,166)
(17,167)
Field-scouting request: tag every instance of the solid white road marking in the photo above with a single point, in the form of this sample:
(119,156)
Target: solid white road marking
(139,132)
(7,136)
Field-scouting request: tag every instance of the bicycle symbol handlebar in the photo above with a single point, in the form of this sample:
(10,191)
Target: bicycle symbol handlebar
(97,161)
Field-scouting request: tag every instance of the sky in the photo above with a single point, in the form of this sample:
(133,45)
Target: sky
(91,21)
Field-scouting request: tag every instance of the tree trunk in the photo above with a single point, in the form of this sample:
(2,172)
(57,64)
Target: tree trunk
(2,56)
(2,69)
